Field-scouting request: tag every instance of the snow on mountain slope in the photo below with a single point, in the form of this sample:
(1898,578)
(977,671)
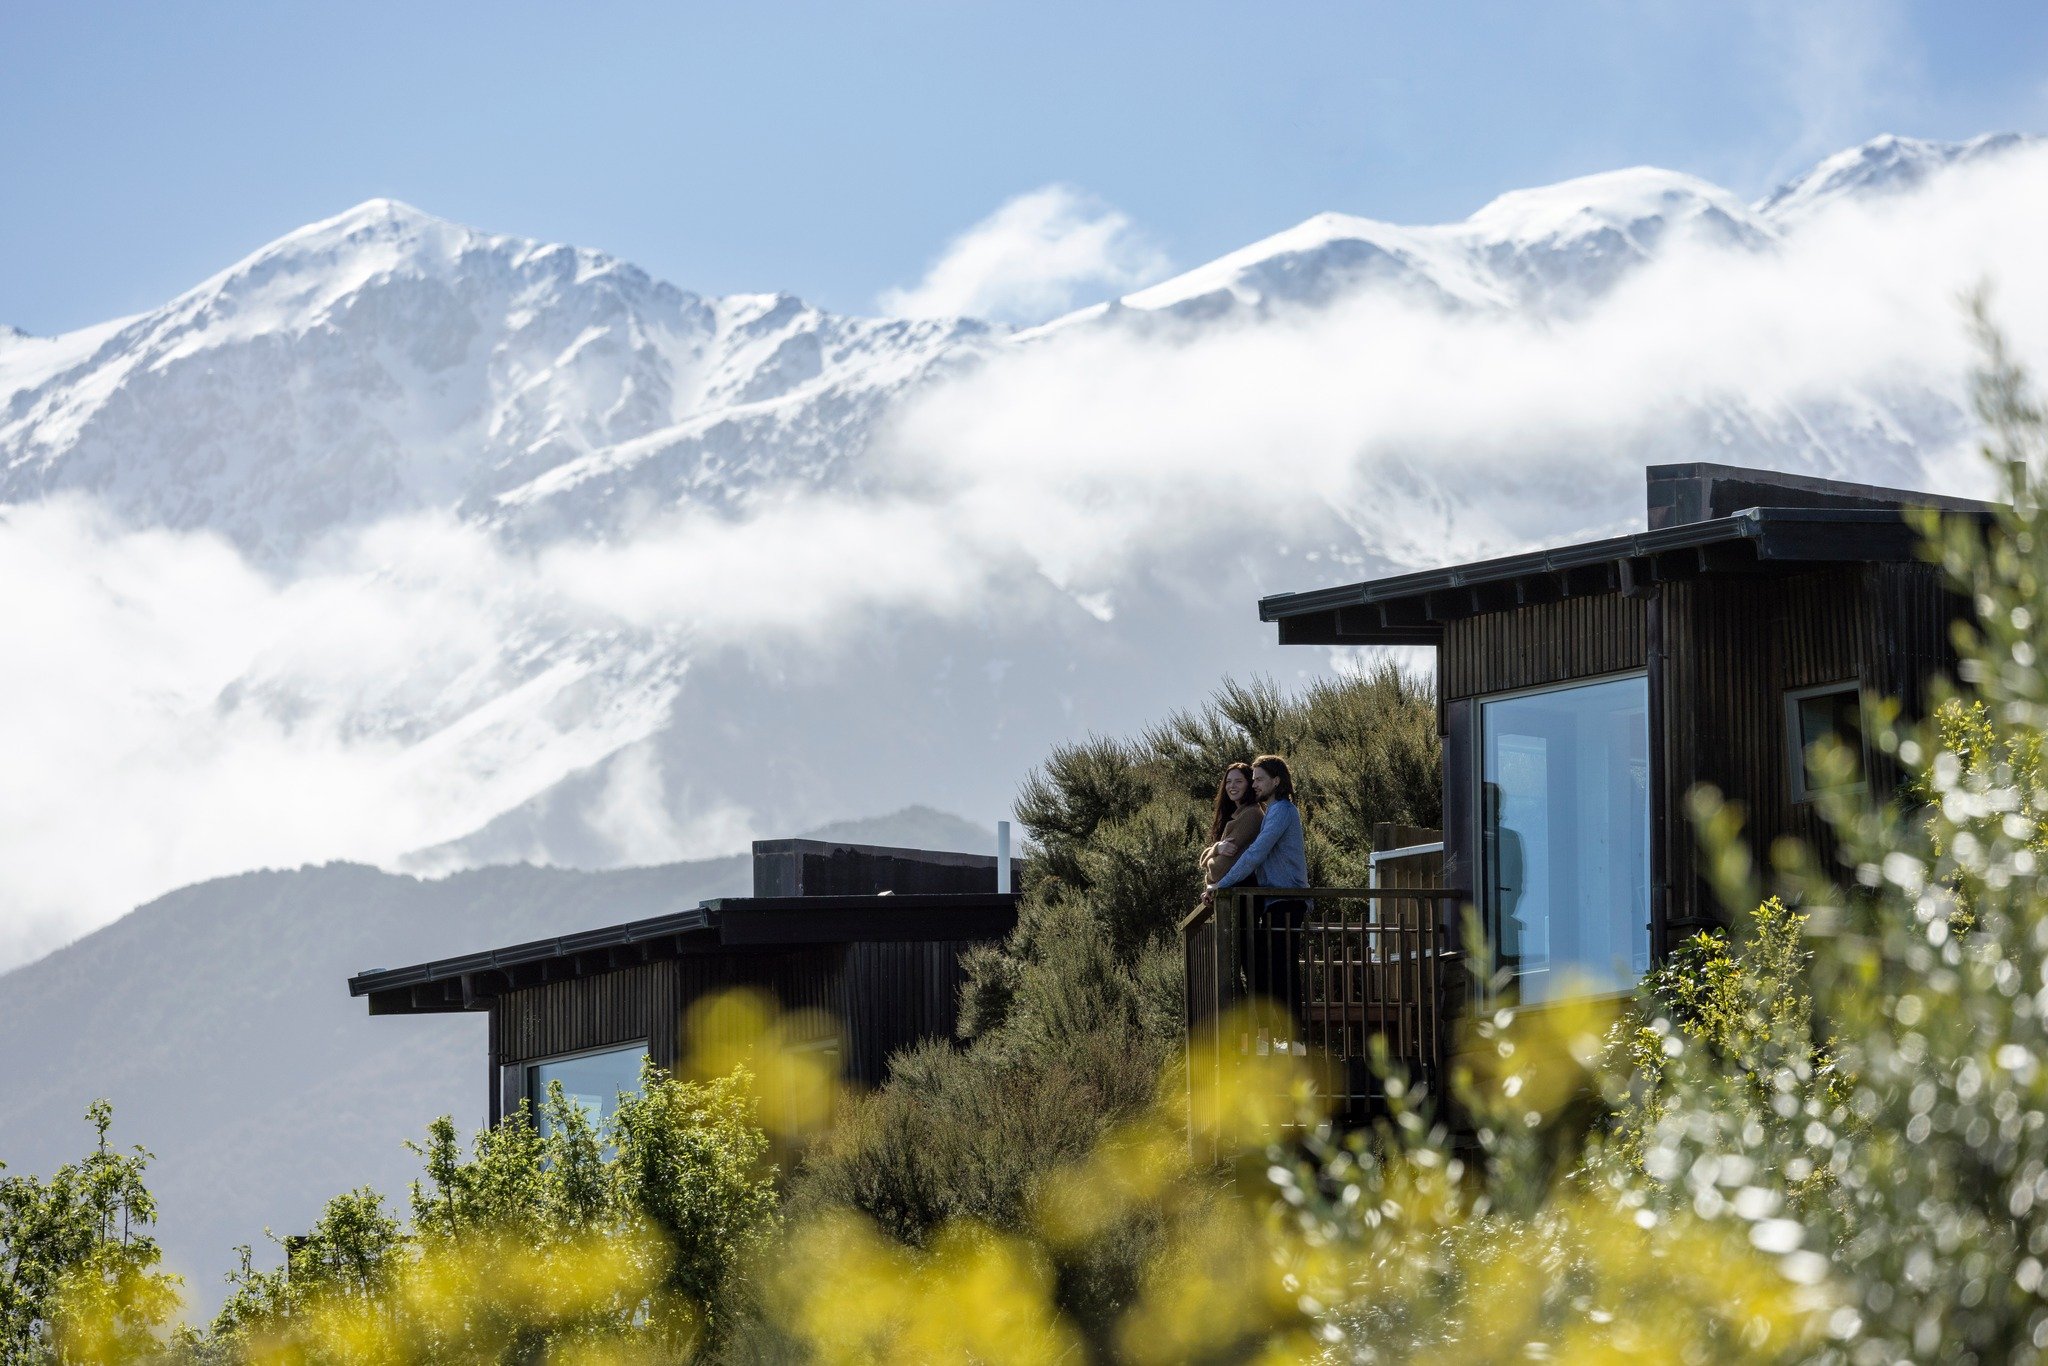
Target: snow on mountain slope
(1573,240)
(1314,261)
(384,361)
(399,526)
(1883,166)
(1536,248)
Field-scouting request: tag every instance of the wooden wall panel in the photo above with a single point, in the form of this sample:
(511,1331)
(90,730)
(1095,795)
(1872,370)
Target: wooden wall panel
(1721,652)
(1915,616)
(804,978)
(1675,748)
(896,994)
(630,1004)
(1733,648)
(1723,723)
(593,1012)
(884,997)
(1542,643)
(1526,647)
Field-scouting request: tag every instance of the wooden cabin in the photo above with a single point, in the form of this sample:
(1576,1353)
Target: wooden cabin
(1583,692)
(865,937)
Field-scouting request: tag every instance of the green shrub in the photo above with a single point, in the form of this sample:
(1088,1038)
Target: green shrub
(76,1249)
(583,1236)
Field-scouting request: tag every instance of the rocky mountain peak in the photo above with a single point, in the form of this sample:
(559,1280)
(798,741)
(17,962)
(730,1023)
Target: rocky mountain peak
(1887,164)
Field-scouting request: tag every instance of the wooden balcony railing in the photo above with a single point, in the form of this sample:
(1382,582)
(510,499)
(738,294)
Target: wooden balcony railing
(1337,967)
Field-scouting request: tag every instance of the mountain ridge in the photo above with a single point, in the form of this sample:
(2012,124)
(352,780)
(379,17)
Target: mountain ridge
(602,384)
(651,571)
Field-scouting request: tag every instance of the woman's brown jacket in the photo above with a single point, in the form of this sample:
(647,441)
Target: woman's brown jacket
(1240,831)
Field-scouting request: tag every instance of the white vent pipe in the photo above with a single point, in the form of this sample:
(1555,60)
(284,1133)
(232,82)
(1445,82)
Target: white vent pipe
(1002,856)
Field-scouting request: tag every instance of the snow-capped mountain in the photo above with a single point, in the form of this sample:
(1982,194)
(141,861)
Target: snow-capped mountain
(1883,166)
(386,361)
(933,548)
(1527,249)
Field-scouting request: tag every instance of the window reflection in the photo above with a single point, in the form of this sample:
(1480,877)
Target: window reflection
(591,1081)
(1565,825)
(1820,716)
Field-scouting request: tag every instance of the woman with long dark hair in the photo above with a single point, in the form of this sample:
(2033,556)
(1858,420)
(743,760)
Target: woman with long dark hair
(1235,824)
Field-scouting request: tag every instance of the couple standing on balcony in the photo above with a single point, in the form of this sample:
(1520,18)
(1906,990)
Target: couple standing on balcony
(1256,835)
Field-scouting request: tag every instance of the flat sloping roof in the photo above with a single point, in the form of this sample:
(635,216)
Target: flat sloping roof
(1412,609)
(470,981)
(1703,519)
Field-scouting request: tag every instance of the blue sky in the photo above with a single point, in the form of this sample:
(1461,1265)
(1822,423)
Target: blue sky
(833,150)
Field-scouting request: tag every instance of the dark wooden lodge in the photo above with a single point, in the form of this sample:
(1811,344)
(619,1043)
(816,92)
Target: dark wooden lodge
(867,937)
(1584,691)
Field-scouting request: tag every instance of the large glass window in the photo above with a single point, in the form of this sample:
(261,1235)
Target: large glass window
(1565,822)
(590,1080)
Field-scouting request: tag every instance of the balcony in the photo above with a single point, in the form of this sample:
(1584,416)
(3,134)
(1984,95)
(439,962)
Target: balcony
(1321,973)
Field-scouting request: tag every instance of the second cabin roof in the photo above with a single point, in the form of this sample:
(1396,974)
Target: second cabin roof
(727,925)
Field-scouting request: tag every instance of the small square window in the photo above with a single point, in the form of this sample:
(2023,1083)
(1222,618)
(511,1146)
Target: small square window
(1812,716)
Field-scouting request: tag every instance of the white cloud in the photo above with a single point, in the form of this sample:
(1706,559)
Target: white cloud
(168,712)
(1445,435)
(1038,255)
(633,815)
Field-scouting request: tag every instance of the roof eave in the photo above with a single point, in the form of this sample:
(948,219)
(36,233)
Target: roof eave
(1412,609)
(471,981)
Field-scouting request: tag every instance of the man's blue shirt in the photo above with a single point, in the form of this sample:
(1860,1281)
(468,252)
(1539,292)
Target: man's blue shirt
(1277,855)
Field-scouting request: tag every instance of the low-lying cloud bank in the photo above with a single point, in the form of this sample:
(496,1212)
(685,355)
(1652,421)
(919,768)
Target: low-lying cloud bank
(169,712)
(1442,433)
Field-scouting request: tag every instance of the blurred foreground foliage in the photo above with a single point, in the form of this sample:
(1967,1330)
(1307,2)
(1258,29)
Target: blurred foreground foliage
(566,1240)
(1819,1137)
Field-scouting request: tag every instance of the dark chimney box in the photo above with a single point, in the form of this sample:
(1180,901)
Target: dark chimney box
(1680,494)
(831,868)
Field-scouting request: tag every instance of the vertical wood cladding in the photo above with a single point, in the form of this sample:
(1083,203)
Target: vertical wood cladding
(618,1007)
(881,997)
(591,1012)
(1723,725)
(803,978)
(895,994)
(1733,648)
(1526,647)
(1722,651)
(1916,599)
(1550,642)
